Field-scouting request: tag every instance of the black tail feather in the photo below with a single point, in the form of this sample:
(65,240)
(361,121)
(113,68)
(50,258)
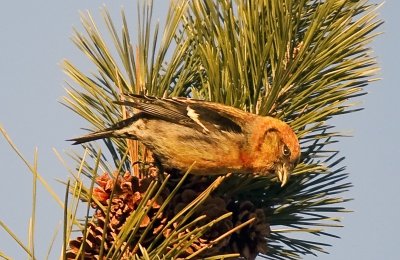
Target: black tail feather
(92,136)
(108,132)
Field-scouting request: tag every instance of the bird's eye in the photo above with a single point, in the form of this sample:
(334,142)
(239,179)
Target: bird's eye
(286,151)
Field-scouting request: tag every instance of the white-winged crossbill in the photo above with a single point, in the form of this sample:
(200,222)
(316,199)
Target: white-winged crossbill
(220,139)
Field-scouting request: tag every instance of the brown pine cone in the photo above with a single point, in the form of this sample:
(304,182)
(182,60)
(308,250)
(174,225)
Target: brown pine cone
(128,193)
(250,240)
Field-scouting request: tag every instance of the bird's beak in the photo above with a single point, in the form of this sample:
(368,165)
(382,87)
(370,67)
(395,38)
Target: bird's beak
(283,173)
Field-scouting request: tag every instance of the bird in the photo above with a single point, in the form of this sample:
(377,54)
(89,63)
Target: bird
(206,137)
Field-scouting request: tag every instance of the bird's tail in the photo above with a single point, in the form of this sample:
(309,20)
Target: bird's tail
(109,132)
(93,136)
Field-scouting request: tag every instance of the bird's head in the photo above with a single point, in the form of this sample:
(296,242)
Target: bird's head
(277,148)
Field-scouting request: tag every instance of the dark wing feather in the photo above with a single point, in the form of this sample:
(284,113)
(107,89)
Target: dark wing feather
(214,119)
(197,114)
(155,110)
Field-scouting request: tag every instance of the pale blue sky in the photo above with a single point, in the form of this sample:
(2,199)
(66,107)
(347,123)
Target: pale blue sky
(35,38)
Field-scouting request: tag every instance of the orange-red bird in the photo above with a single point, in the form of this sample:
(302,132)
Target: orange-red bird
(219,138)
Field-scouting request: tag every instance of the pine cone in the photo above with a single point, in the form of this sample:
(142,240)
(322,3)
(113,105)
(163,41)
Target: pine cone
(250,240)
(212,208)
(128,193)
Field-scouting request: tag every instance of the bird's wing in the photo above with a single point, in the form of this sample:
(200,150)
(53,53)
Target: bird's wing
(201,115)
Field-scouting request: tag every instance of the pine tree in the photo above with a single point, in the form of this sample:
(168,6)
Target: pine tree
(300,61)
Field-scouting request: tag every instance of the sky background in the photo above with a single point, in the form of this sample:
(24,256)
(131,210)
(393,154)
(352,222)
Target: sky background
(35,37)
